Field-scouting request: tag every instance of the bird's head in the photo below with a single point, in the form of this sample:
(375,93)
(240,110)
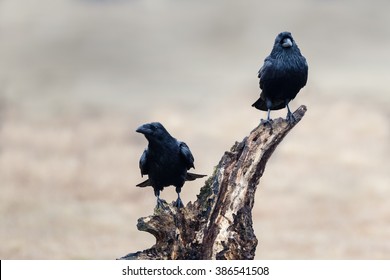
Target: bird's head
(284,40)
(154,131)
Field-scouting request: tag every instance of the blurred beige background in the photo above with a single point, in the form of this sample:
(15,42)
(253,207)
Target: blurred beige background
(77,77)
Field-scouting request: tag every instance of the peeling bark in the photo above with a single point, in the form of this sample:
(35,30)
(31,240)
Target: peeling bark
(218,225)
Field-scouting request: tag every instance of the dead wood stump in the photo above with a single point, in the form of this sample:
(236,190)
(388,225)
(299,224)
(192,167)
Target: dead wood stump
(218,225)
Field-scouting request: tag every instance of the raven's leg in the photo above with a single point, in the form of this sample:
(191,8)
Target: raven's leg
(159,201)
(178,203)
(268,115)
(290,116)
(269,106)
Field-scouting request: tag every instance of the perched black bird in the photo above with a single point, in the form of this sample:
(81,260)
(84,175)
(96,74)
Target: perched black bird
(282,76)
(165,161)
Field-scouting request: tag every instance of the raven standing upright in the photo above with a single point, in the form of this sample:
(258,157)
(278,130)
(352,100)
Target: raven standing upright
(165,161)
(282,76)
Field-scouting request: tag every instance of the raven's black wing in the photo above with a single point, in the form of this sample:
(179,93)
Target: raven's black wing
(143,163)
(265,72)
(186,155)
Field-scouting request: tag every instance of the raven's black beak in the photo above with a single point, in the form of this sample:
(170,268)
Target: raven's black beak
(144,129)
(287,43)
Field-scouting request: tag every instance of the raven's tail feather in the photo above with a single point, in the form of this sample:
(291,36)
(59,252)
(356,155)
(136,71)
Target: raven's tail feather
(144,184)
(190,177)
(193,176)
(262,105)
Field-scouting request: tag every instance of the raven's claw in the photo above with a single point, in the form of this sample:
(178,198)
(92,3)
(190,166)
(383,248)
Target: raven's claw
(178,204)
(267,122)
(160,204)
(290,118)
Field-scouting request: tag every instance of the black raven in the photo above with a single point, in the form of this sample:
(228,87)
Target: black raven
(165,161)
(282,76)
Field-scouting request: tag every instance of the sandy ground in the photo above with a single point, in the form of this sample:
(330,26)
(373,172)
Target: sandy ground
(78,77)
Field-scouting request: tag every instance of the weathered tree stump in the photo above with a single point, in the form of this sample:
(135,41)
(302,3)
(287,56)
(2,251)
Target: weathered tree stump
(218,225)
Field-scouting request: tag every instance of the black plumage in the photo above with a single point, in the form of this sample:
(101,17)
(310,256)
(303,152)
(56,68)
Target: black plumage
(165,161)
(282,76)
